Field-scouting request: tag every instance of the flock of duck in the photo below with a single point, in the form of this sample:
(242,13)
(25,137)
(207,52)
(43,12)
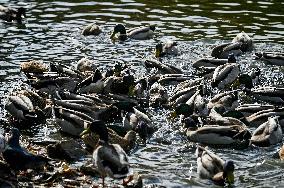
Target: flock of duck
(85,101)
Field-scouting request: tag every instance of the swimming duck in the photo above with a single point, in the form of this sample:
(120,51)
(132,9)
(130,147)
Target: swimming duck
(91,29)
(268,133)
(10,14)
(86,65)
(14,152)
(260,117)
(158,95)
(227,100)
(109,159)
(213,62)
(92,84)
(162,67)
(274,95)
(273,58)
(140,33)
(127,142)
(167,48)
(211,166)
(240,44)
(281,153)
(234,136)
(21,107)
(33,66)
(225,75)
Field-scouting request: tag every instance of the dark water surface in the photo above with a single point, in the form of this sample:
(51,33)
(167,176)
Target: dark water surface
(52,33)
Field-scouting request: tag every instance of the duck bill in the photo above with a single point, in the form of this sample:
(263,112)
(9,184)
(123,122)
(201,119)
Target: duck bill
(230,178)
(86,131)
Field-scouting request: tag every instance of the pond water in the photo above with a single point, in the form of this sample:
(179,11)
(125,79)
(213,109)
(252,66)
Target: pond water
(52,33)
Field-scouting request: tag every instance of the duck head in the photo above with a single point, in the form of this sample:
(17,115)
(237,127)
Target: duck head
(119,28)
(15,137)
(181,109)
(228,172)
(152,27)
(97,127)
(21,12)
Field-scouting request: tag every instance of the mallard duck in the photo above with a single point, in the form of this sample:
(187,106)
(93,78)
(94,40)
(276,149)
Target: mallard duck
(91,29)
(109,159)
(13,152)
(127,142)
(92,84)
(167,48)
(225,75)
(213,62)
(183,95)
(234,136)
(158,95)
(10,14)
(249,109)
(240,44)
(268,133)
(274,95)
(211,166)
(141,33)
(227,100)
(273,58)
(33,66)
(281,153)
(162,67)
(260,117)
(86,65)
(21,107)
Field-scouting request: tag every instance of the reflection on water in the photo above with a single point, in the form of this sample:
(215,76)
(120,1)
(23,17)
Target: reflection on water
(52,33)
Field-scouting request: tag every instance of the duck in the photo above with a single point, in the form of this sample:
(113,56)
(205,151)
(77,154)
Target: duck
(33,66)
(86,65)
(234,136)
(166,48)
(109,159)
(10,14)
(21,107)
(225,75)
(211,166)
(239,45)
(258,118)
(127,142)
(92,84)
(273,58)
(183,95)
(268,133)
(140,33)
(13,152)
(158,95)
(162,68)
(213,62)
(91,29)
(249,109)
(226,100)
(273,95)
(281,153)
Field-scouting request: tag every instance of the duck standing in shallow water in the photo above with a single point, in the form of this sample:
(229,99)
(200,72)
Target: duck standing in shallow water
(109,159)
(211,166)
(19,158)
(140,33)
(9,14)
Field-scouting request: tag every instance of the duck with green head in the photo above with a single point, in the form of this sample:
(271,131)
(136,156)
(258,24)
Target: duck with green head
(109,159)
(141,33)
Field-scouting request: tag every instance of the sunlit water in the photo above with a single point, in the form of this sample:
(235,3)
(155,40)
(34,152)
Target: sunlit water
(52,33)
